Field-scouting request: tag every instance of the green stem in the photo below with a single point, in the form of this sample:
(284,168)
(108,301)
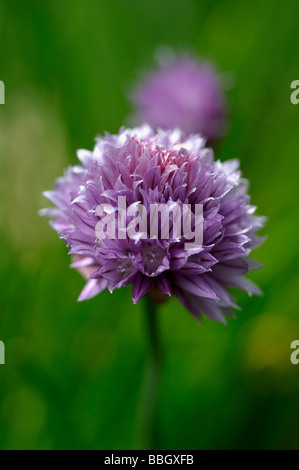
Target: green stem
(151,313)
(149,430)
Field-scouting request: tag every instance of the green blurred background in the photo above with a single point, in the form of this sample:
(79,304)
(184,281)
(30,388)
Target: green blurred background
(74,372)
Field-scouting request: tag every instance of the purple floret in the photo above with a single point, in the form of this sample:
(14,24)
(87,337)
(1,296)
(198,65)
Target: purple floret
(159,167)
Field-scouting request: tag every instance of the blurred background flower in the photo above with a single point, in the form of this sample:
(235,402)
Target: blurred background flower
(183,92)
(73,370)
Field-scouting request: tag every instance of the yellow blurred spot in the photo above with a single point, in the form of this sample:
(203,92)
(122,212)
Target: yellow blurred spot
(268,342)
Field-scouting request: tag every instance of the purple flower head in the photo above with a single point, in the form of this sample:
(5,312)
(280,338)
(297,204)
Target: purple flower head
(143,168)
(183,93)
